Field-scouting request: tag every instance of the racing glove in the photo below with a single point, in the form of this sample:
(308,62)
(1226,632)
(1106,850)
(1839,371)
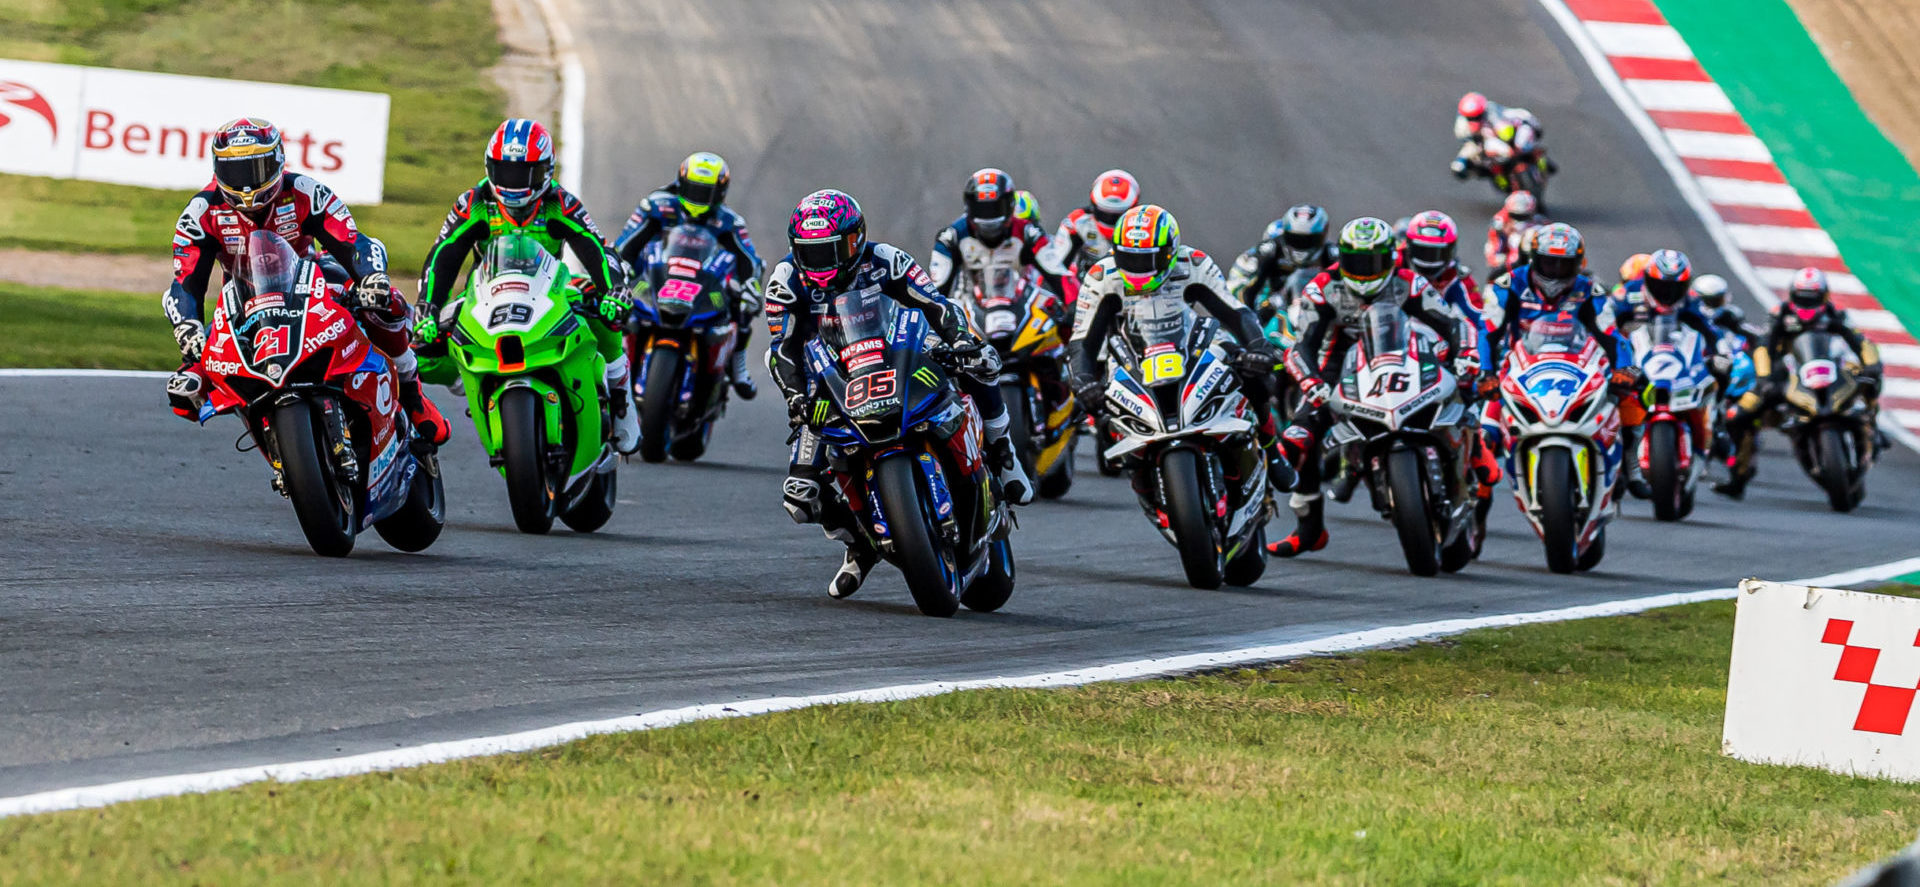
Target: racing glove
(426,326)
(191,336)
(1259,358)
(1627,381)
(614,307)
(374,292)
(1466,365)
(1459,168)
(1316,392)
(798,408)
(1090,392)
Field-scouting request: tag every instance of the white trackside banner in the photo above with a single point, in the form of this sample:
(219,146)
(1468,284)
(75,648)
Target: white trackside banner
(1825,678)
(138,128)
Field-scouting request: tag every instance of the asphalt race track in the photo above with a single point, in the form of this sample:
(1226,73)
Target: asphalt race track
(160,612)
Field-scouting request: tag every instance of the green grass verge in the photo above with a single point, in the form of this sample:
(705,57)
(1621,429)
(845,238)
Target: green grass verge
(1854,181)
(1581,752)
(79,328)
(430,55)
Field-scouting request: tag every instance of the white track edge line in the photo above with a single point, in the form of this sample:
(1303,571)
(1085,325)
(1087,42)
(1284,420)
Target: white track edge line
(24,373)
(438,752)
(1656,141)
(573,96)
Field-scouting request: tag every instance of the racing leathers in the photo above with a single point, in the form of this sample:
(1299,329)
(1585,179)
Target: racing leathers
(1261,273)
(1193,280)
(1786,325)
(1333,313)
(311,219)
(960,257)
(661,212)
(794,308)
(1504,234)
(557,220)
(1511,305)
(1080,242)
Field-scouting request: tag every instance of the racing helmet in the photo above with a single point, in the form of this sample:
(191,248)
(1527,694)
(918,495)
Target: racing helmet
(1711,290)
(1808,292)
(989,199)
(1114,192)
(1026,206)
(1520,207)
(1473,107)
(1432,240)
(520,163)
(1366,256)
(1145,241)
(1302,232)
(1668,277)
(249,163)
(827,235)
(702,183)
(1634,267)
(1557,260)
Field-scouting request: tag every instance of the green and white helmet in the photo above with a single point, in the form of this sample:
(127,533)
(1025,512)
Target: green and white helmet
(1366,256)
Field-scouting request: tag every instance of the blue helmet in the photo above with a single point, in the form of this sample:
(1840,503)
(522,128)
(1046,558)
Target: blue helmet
(1301,231)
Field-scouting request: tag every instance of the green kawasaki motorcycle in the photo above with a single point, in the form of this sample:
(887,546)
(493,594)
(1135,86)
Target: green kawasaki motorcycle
(535,384)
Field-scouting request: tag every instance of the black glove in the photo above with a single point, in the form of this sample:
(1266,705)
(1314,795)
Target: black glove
(1870,382)
(1090,392)
(799,408)
(1260,358)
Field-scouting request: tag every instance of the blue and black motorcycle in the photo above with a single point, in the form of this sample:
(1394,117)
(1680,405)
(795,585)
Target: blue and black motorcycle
(679,342)
(907,454)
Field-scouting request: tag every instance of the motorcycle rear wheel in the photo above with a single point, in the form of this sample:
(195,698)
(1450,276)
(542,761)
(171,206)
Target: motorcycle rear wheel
(1189,518)
(1412,516)
(916,547)
(329,515)
(530,491)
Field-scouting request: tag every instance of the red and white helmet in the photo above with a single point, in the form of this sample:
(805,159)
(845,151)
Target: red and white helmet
(1473,106)
(1808,292)
(520,162)
(1114,192)
(1520,206)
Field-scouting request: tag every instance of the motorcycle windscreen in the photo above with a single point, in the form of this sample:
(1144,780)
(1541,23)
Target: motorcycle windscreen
(1383,329)
(996,297)
(513,285)
(856,329)
(688,275)
(267,312)
(1561,335)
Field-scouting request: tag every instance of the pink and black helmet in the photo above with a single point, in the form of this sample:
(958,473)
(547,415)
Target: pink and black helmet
(1431,241)
(827,235)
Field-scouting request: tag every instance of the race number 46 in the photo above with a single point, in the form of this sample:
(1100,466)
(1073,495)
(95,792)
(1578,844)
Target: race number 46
(1395,383)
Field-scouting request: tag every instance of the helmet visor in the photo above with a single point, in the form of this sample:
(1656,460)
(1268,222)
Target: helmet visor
(251,174)
(1139,262)
(1365,267)
(1667,293)
(1807,298)
(823,254)
(1429,257)
(1559,268)
(698,195)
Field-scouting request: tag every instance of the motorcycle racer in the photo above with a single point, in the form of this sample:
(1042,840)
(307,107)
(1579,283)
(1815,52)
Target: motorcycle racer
(1715,299)
(1150,270)
(831,255)
(698,194)
(1296,240)
(1808,307)
(1488,131)
(1516,215)
(1085,236)
(1663,286)
(519,196)
(991,234)
(1334,303)
(253,191)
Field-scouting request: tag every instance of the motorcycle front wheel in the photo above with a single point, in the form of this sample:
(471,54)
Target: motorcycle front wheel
(1412,517)
(530,491)
(917,550)
(657,402)
(1663,471)
(327,506)
(1834,452)
(1189,518)
(1558,530)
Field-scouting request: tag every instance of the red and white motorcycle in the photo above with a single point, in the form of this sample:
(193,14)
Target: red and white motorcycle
(1564,438)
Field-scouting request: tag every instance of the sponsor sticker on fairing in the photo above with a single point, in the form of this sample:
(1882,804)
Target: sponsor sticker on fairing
(264,301)
(681,266)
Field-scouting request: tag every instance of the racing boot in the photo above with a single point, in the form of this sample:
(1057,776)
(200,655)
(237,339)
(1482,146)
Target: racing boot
(1014,483)
(1636,482)
(626,421)
(1280,473)
(1310,534)
(1486,468)
(853,572)
(1735,486)
(422,413)
(743,386)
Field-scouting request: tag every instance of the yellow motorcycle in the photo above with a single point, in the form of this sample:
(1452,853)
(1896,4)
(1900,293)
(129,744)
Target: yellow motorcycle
(1019,318)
